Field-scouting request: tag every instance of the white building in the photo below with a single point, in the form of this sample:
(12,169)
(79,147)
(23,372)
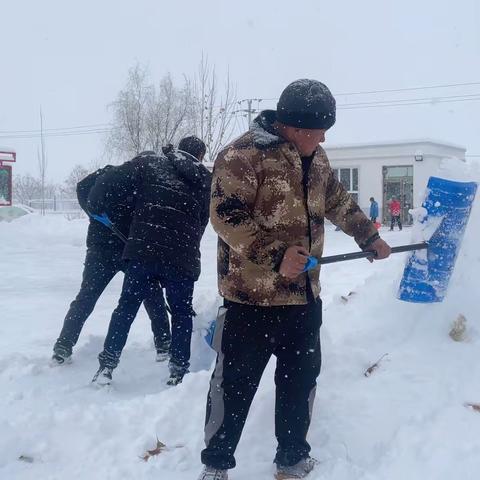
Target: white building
(383,170)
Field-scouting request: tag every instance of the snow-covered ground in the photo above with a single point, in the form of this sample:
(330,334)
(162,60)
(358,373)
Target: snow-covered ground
(406,420)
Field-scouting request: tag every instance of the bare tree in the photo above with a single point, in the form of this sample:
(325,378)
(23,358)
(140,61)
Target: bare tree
(69,188)
(214,108)
(149,117)
(146,117)
(128,136)
(28,188)
(168,118)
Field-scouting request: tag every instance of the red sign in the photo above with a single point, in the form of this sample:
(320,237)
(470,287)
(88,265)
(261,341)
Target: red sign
(7,156)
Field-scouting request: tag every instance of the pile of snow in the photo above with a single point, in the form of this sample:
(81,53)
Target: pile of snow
(13,212)
(406,420)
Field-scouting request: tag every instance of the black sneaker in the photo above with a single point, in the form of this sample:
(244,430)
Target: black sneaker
(59,359)
(299,470)
(103,376)
(209,473)
(174,379)
(177,372)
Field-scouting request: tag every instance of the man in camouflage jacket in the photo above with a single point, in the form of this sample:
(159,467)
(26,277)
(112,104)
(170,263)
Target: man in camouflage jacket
(271,190)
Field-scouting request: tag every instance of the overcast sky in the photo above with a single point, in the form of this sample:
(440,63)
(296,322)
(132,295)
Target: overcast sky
(72,58)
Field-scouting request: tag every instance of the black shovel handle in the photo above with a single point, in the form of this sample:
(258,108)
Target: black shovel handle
(118,233)
(371,253)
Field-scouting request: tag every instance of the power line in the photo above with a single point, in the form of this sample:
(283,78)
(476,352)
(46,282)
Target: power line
(69,131)
(393,103)
(58,134)
(387,103)
(409,101)
(99,128)
(57,129)
(407,89)
(427,99)
(393,90)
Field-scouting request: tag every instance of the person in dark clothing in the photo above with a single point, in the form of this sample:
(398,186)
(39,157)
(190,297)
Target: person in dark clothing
(169,219)
(272,189)
(103,261)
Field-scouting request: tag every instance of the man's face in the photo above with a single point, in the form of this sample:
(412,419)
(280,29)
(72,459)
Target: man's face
(306,140)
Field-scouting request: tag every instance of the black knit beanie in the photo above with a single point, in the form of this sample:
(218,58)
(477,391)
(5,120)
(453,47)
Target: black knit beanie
(193,145)
(306,104)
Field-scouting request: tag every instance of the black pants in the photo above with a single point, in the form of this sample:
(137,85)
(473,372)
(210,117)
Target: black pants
(141,279)
(395,219)
(245,338)
(100,268)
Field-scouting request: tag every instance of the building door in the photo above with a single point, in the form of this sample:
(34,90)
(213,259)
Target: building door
(398,183)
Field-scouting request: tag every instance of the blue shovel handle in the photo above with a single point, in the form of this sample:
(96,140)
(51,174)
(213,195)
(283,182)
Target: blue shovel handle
(103,218)
(312,262)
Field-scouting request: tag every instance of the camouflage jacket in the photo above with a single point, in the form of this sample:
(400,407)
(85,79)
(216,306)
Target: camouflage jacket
(258,209)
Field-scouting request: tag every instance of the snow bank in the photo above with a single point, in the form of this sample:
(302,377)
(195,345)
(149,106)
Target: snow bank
(26,231)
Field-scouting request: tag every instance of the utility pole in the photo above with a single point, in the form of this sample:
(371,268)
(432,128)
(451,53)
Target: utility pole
(249,108)
(42,162)
(247,112)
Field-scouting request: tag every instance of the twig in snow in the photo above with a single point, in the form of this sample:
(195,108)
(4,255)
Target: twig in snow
(156,451)
(373,367)
(345,299)
(160,447)
(25,458)
(473,406)
(459,329)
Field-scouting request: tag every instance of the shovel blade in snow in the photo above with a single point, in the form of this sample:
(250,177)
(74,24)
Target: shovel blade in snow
(210,333)
(213,340)
(427,273)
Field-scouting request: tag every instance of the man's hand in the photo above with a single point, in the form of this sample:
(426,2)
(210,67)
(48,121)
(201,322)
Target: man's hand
(294,260)
(381,247)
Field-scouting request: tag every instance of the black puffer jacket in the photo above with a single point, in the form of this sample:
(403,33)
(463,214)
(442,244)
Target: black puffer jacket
(118,208)
(172,194)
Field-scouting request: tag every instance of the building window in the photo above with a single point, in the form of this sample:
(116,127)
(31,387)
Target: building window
(349,179)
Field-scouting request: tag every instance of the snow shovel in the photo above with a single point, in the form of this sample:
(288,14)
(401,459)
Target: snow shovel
(442,219)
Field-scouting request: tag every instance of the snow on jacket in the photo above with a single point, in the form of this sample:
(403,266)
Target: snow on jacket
(395,208)
(258,208)
(172,194)
(373,209)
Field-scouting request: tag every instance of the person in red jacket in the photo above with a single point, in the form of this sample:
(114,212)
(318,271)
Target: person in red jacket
(395,210)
